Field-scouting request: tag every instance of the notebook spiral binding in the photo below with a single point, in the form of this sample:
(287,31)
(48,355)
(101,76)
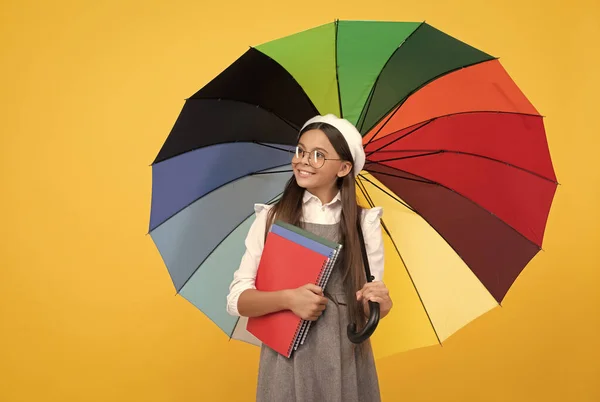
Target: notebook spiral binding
(320,281)
(323,283)
(303,323)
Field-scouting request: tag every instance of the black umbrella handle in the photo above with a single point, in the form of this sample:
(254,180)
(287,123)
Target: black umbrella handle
(371,325)
(367,331)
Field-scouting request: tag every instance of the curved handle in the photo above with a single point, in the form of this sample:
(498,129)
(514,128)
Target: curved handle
(367,331)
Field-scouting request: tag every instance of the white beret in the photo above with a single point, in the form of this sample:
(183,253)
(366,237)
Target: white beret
(350,133)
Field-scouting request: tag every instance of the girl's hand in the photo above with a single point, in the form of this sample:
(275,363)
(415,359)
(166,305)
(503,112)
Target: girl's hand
(375,291)
(307,302)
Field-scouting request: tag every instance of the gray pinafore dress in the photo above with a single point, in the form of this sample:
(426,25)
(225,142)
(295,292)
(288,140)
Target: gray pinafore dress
(326,368)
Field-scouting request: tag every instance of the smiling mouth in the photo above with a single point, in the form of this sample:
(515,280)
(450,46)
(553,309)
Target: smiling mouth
(304,173)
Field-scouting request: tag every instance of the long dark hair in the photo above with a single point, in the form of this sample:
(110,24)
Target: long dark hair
(289,209)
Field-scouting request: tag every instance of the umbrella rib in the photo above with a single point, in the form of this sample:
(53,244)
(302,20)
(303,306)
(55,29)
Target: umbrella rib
(430,152)
(270,111)
(400,177)
(337,79)
(219,243)
(384,226)
(215,189)
(419,125)
(365,110)
(295,128)
(270,146)
(400,158)
(426,181)
(363,177)
(237,321)
(395,110)
(423,123)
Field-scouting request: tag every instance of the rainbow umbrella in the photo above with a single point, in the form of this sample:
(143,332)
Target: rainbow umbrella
(456,154)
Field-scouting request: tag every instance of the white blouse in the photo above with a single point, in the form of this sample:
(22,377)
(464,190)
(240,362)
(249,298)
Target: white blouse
(313,212)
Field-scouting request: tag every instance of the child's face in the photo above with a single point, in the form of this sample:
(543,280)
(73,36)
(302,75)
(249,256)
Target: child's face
(308,176)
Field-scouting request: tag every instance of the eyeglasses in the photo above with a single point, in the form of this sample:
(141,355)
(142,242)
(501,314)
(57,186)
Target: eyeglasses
(316,158)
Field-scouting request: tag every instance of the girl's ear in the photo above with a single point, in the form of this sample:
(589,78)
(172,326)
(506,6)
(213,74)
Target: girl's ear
(345,169)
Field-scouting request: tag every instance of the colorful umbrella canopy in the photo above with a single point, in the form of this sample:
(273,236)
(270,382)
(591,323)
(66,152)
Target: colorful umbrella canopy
(456,155)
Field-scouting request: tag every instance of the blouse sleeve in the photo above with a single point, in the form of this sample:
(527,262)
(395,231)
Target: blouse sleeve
(372,232)
(245,275)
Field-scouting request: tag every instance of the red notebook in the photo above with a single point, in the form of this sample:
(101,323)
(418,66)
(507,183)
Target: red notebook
(283,265)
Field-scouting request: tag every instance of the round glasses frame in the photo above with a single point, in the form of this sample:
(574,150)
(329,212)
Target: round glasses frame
(312,157)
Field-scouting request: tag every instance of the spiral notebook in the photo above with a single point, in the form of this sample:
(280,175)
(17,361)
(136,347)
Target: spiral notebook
(324,278)
(292,257)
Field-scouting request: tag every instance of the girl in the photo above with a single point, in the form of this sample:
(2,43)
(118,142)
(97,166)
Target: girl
(321,198)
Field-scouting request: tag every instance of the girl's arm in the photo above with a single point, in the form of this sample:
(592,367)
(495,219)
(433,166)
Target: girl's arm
(373,235)
(307,302)
(245,300)
(376,290)
(245,276)
(254,303)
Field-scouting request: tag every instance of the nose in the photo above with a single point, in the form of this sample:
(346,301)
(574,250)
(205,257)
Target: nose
(307,156)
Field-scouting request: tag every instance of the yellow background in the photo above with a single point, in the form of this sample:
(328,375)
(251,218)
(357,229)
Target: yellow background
(90,90)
